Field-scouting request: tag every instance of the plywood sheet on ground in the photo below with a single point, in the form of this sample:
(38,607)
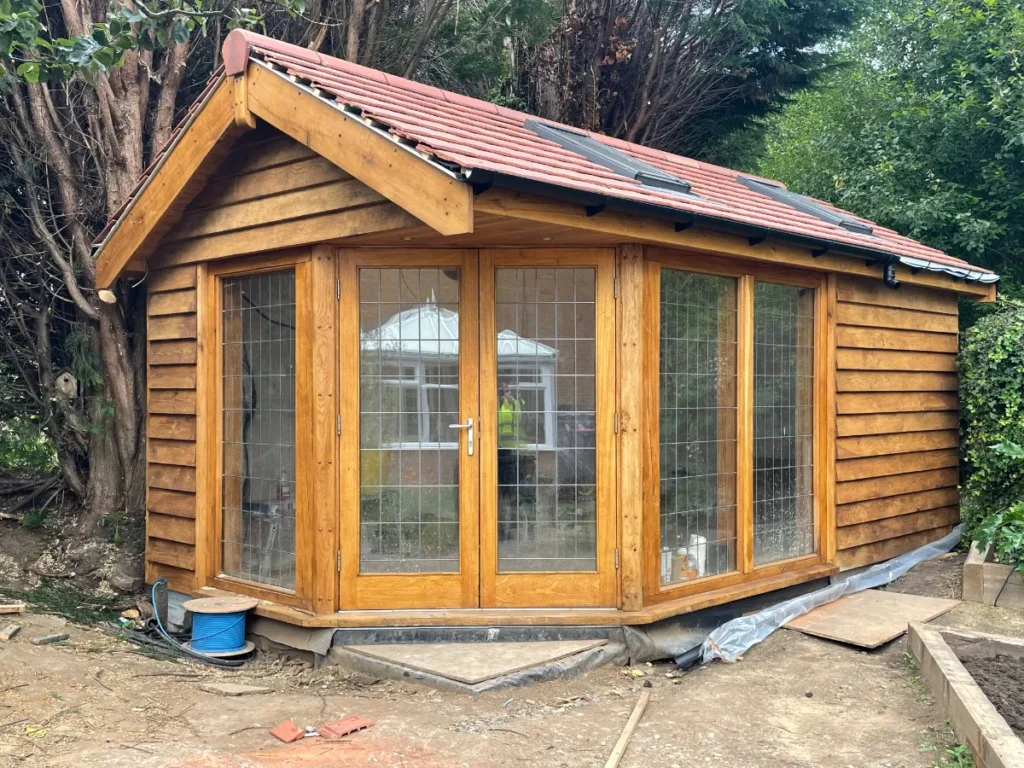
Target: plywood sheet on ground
(870,618)
(472,663)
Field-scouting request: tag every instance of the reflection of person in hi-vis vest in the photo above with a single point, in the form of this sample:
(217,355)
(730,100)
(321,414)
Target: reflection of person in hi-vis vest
(510,414)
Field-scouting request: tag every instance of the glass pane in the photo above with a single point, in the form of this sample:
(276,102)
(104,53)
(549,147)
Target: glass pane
(547,507)
(409,395)
(258,501)
(783,419)
(697,425)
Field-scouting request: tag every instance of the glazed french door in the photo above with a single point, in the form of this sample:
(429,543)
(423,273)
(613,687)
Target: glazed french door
(477,463)
(547,403)
(409,469)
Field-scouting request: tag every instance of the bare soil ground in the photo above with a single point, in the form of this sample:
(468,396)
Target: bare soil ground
(794,700)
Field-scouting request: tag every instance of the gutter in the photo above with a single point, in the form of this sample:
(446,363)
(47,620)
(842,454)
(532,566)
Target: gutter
(594,203)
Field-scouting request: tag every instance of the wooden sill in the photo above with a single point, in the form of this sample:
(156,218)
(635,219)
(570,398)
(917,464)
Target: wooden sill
(475,617)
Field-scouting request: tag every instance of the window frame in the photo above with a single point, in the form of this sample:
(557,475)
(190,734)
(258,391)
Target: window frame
(745,273)
(303,594)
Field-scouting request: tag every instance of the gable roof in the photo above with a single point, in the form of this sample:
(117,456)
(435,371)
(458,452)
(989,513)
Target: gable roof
(484,144)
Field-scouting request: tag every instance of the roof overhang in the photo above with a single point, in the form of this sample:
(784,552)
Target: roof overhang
(441,194)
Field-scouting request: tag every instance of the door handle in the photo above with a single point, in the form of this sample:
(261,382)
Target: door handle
(468,426)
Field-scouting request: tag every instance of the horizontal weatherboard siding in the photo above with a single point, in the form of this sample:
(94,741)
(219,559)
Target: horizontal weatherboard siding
(896,419)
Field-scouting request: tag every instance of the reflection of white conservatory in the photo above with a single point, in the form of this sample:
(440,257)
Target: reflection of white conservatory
(419,375)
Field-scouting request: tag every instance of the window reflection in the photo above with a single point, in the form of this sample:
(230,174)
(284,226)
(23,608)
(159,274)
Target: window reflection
(409,395)
(546,419)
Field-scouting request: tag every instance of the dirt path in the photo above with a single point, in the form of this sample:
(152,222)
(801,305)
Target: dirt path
(793,701)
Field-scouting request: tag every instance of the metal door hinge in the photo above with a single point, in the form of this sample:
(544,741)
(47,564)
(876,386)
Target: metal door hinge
(616,558)
(339,561)
(337,289)
(615,288)
(338,424)
(615,422)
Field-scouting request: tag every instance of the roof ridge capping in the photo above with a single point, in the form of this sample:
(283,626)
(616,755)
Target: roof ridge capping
(240,45)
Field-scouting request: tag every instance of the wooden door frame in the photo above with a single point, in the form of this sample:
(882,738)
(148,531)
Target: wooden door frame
(548,589)
(406,590)
(210,526)
(746,273)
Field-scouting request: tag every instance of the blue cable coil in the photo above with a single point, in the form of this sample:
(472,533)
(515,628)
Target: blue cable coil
(218,632)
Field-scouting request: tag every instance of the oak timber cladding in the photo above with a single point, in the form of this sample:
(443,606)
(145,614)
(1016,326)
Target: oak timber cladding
(896,422)
(171,430)
(270,193)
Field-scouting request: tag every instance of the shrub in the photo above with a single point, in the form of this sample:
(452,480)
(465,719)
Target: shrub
(1005,529)
(24,445)
(992,412)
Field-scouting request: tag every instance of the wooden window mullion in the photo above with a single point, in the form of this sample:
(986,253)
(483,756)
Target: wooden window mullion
(745,424)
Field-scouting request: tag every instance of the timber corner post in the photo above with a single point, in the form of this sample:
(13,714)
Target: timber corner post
(629,406)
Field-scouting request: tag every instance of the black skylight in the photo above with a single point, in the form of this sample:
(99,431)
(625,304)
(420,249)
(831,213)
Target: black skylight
(806,205)
(608,157)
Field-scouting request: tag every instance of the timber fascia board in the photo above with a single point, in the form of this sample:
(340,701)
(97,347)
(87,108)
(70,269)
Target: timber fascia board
(434,195)
(653,231)
(178,177)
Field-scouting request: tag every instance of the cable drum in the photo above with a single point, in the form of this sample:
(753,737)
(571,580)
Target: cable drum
(218,625)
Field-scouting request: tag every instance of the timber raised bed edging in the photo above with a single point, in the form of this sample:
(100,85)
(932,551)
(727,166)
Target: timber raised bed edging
(991,583)
(974,719)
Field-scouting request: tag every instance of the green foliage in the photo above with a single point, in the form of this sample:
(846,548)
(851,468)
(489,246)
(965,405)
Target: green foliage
(26,47)
(65,600)
(922,130)
(113,522)
(1005,531)
(25,445)
(992,410)
(33,519)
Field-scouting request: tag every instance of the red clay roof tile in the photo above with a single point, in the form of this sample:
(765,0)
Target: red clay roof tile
(478,135)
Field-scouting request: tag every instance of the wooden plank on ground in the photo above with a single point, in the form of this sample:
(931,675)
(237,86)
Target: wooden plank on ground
(870,618)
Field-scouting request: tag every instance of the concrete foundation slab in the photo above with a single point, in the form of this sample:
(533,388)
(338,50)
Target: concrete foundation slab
(473,663)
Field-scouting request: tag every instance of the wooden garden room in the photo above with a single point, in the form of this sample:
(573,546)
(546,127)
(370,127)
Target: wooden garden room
(417,359)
